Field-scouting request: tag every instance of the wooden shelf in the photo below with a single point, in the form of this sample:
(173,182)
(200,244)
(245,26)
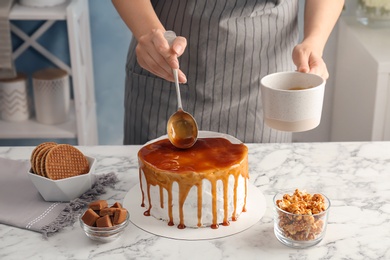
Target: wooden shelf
(82,121)
(33,129)
(21,12)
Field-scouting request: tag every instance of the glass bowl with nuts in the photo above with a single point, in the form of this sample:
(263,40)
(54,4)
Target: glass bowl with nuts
(300,218)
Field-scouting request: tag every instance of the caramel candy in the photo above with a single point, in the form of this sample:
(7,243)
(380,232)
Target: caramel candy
(116,205)
(98,204)
(107,211)
(90,217)
(104,221)
(120,216)
(100,215)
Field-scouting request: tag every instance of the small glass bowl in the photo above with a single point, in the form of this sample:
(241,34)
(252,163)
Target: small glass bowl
(298,230)
(104,234)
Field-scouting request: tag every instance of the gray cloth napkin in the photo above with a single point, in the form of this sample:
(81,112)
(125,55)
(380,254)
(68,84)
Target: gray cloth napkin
(22,206)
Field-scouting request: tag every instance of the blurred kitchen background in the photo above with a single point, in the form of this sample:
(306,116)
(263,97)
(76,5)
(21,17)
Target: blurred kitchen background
(110,39)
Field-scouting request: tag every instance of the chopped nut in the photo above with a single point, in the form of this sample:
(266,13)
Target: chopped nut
(301,226)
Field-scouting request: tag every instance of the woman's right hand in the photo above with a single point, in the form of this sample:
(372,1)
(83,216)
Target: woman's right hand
(155,55)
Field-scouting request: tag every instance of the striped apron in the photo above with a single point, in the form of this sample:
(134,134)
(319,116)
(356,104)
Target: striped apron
(232,44)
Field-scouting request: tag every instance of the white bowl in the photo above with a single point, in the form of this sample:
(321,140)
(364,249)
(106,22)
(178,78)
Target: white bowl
(65,189)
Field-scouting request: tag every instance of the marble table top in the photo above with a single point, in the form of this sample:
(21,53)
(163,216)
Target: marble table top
(355,176)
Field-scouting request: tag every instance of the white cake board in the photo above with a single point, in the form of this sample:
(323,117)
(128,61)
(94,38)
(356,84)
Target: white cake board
(255,206)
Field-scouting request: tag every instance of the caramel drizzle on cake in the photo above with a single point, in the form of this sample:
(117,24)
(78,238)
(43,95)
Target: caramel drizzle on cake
(213,159)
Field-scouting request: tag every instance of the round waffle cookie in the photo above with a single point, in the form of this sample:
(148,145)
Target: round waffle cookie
(42,162)
(39,156)
(64,161)
(35,152)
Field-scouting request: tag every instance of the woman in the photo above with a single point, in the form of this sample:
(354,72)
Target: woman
(225,48)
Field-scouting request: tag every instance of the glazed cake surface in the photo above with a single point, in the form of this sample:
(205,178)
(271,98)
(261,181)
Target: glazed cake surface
(205,185)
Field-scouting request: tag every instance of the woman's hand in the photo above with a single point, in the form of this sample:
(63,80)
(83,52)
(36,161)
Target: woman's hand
(155,55)
(308,61)
(319,20)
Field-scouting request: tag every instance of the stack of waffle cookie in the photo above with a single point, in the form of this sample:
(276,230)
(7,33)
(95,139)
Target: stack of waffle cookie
(58,161)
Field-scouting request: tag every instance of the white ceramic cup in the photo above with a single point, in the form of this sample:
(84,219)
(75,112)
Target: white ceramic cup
(292,101)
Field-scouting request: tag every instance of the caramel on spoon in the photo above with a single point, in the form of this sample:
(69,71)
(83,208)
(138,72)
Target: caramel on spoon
(181,127)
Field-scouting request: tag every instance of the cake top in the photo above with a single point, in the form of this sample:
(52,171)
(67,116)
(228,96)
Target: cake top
(206,154)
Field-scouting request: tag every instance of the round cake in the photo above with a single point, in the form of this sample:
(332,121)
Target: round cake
(204,186)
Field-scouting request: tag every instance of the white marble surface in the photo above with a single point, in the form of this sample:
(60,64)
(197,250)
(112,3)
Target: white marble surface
(355,176)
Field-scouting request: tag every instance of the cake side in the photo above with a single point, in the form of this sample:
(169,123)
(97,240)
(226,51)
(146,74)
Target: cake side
(202,186)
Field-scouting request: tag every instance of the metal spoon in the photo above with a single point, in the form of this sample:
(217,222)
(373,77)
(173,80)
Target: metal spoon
(181,127)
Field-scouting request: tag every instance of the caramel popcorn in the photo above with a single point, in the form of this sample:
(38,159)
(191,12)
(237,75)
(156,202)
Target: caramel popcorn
(303,224)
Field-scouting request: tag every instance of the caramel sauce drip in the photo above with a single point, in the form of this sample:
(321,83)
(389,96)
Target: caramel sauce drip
(210,158)
(199,190)
(142,190)
(161,197)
